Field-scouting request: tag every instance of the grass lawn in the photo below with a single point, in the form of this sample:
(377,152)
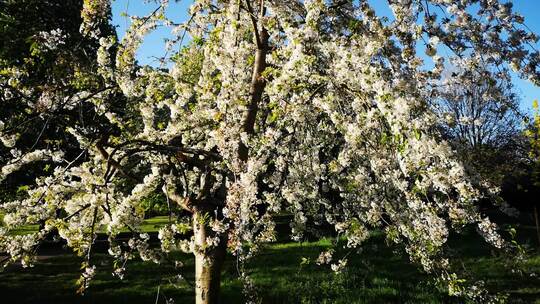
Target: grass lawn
(149,225)
(378,274)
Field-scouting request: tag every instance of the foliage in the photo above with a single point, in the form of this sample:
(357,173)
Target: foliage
(533,133)
(155,204)
(46,66)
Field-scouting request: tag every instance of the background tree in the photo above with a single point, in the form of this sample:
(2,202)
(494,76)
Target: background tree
(314,108)
(480,117)
(45,64)
(481,108)
(529,180)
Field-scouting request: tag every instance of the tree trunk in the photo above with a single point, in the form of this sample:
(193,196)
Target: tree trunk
(208,262)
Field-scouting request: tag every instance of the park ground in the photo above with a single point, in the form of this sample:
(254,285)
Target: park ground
(283,272)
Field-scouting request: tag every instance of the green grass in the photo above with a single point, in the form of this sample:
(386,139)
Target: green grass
(378,274)
(21,230)
(149,225)
(153,224)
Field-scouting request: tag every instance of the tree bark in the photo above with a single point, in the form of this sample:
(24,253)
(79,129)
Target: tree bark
(209,259)
(208,262)
(258,83)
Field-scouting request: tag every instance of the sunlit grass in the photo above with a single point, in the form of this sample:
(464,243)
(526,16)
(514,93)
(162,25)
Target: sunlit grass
(149,225)
(283,273)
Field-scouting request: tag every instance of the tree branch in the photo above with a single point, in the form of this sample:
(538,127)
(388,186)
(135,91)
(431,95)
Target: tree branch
(257,85)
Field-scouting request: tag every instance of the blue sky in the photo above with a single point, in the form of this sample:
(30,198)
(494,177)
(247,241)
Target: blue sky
(153,45)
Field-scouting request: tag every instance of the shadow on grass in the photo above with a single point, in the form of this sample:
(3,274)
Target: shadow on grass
(378,274)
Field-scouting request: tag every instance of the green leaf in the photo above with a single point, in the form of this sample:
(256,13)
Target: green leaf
(23,189)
